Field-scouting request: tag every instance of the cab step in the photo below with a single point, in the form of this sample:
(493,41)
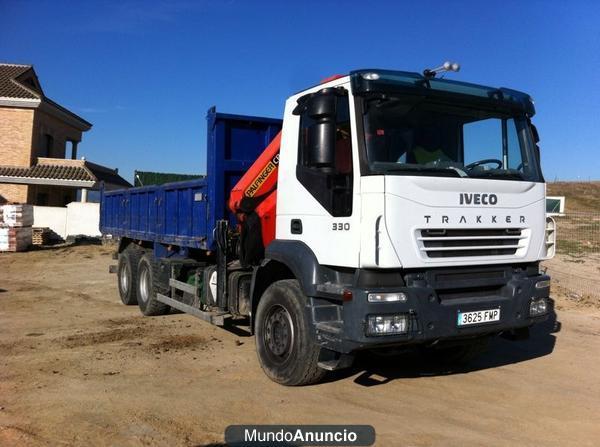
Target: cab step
(332,361)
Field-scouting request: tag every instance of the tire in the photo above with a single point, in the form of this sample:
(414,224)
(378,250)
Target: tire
(285,349)
(127,275)
(148,285)
(460,354)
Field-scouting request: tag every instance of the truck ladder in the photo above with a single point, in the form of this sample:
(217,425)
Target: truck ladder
(214,317)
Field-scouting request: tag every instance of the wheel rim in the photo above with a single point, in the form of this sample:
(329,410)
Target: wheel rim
(278,334)
(124,277)
(144,284)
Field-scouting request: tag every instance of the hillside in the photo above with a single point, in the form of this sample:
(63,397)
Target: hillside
(580,196)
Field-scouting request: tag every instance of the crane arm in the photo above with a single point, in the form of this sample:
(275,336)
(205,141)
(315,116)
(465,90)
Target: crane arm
(253,200)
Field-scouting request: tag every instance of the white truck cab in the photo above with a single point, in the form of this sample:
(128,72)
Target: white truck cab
(410,211)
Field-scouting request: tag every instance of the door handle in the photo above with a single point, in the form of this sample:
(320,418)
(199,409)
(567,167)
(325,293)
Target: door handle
(296,226)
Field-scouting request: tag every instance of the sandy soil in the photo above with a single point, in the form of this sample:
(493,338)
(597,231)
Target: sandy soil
(79,368)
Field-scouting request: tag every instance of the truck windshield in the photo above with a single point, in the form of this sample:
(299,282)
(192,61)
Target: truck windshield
(424,136)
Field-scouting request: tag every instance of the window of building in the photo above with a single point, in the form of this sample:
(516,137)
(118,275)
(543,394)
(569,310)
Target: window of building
(47,146)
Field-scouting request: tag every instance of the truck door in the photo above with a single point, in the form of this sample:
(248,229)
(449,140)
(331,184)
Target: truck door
(317,204)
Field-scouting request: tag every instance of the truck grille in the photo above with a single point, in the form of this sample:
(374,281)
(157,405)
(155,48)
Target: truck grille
(447,243)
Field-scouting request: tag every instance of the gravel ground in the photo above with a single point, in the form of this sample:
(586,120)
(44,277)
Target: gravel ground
(79,368)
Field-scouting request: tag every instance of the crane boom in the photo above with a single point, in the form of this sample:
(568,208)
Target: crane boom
(253,200)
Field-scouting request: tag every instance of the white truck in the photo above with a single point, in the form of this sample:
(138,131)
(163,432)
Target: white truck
(393,209)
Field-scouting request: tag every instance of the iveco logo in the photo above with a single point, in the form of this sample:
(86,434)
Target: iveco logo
(478,199)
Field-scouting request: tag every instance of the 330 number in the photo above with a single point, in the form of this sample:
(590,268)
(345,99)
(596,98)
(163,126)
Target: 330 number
(340,226)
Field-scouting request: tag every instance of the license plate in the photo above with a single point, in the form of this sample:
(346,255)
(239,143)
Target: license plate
(478,317)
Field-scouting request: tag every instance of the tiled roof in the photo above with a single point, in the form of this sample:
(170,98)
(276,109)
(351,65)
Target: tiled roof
(65,170)
(10,87)
(19,86)
(48,172)
(107,175)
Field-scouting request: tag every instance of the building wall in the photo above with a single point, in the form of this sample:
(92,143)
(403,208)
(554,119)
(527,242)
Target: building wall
(83,219)
(53,217)
(73,220)
(13,193)
(45,124)
(16,135)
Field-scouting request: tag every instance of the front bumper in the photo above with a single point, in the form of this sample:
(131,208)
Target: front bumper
(434,299)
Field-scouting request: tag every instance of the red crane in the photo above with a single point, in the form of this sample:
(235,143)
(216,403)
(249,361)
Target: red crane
(253,200)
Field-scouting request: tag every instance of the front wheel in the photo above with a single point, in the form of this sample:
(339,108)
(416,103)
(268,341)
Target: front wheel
(286,351)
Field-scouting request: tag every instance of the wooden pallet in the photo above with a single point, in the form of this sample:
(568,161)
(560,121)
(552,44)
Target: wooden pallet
(41,236)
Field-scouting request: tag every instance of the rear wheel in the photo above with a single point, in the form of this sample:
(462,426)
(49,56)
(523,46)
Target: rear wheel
(127,274)
(148,285)
(286,352)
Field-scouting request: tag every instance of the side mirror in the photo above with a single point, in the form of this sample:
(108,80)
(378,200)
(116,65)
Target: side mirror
(534,132)
(321,108)
(321,144)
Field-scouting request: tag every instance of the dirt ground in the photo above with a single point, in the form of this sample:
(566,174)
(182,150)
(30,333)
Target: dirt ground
(79,368)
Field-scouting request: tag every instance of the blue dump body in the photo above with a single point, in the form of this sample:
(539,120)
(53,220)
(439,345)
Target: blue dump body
(185,213)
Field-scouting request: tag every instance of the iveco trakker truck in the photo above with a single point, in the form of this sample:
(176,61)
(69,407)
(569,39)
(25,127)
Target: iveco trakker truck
(387,209)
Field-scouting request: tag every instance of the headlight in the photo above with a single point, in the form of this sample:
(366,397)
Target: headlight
(538,307)
(387,324)
(387,297)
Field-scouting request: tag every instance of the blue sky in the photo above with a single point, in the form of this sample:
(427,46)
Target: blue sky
(144,73)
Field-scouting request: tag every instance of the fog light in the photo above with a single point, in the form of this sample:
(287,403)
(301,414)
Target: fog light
(387,297)
(387,324)
(538,307)
(542,284)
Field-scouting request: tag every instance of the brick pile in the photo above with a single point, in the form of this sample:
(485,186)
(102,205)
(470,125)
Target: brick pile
(15,227)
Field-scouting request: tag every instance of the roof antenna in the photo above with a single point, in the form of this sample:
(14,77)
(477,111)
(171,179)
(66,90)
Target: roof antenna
(430,73)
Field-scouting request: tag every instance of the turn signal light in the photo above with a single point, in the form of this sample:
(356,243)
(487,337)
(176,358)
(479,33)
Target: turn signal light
(398,297)
(542,284)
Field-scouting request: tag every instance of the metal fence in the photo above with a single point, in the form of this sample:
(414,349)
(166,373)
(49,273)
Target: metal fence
(575,269)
